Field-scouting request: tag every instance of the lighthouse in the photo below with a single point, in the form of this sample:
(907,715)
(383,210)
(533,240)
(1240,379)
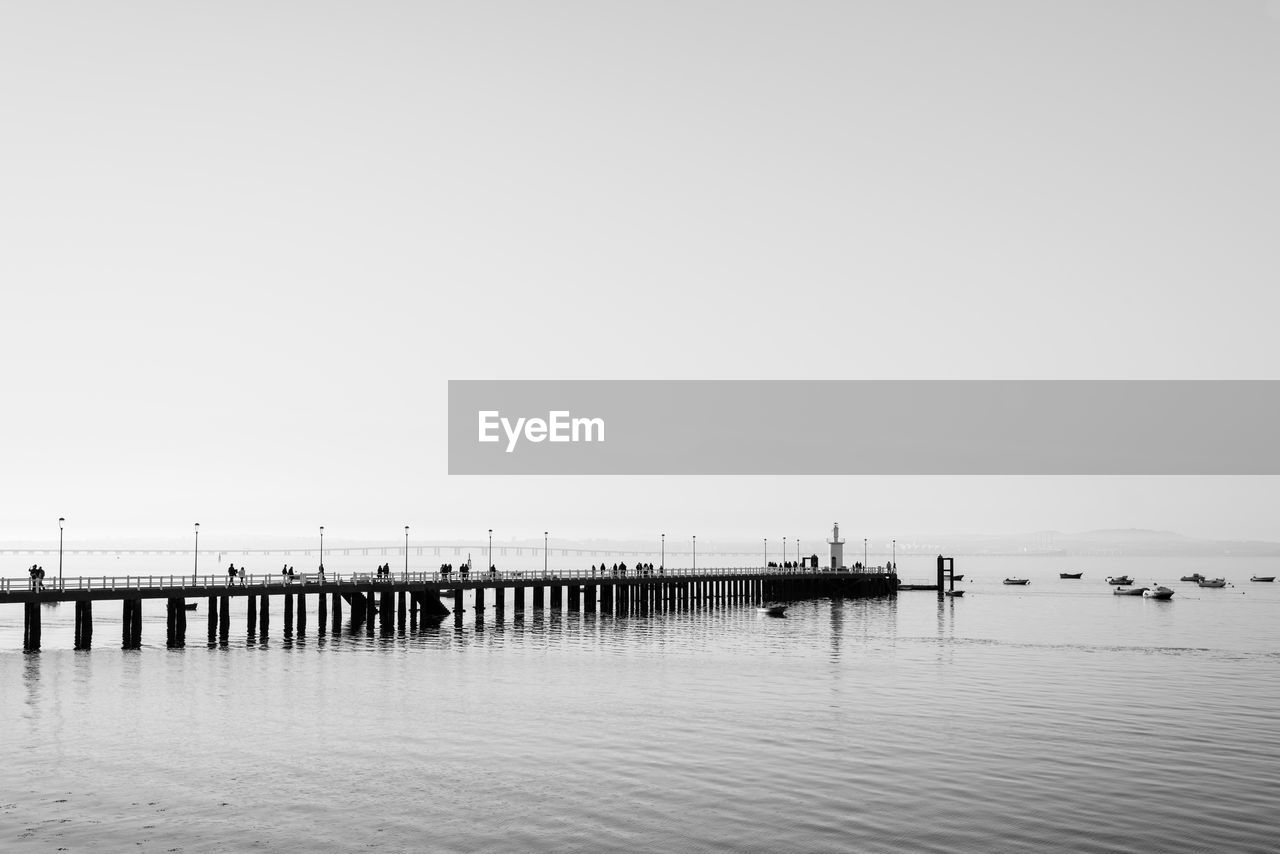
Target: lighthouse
(837,547)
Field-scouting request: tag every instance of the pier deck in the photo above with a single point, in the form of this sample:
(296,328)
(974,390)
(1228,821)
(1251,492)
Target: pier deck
(418,595)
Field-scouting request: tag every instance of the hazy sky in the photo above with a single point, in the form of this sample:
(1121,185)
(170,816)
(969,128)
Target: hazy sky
(243,246)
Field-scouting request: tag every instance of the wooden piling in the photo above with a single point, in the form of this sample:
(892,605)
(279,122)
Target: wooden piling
(264,616)
(224,618)
(479,600)
(337,612)
(252,602)
(322,612)
(302,614)
(539,597)
(288,614)
(400,610)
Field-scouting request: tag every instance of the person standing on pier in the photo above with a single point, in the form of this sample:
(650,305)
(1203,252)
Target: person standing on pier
(231,574)
(242,575)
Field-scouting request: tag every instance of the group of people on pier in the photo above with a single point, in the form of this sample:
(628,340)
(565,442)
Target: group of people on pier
(619,570)
(234,575)
(288,574)
(37,577)
(384,571)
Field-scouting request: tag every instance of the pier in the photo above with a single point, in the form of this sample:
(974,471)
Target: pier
(389,603)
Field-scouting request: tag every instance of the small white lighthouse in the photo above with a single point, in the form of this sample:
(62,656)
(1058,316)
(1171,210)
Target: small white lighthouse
(837,547)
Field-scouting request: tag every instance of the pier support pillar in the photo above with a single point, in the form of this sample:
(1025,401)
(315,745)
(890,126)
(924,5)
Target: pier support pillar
(400,610)
(84,624)
(337,612)
(288,614)
(31,627)
(457,603)
(589,593)
(518,594)
(322,613)
(606,598)
(264,616)
(224,618)
(251,619)
(499,600)
(370,611)
(211,618)
(557,597)
(539,597)
(387,607)
(479,600)
(575,598)
(302,614)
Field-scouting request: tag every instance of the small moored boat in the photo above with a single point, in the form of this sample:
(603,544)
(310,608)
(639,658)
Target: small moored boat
(1195,576)
(1263,578)
(1129,591)
(1212,582)
(958,577)
(1070,574)
(191,606)
(1017,580)
(956,594)
(1119,580)
(773,610)
(1157,592)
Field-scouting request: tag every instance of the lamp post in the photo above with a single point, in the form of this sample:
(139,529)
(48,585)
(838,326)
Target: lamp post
(864,552)
(406,551)
(544,553)
(61,520)
(784,550)
(195,566)
(895,556)
(695,552)
(766,551)
(491,547)
(322,548)
(662,558)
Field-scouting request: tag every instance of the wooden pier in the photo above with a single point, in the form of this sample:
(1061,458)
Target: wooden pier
(390,601)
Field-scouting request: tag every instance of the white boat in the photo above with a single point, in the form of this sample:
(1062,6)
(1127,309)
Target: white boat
(1158,592)
(773,610)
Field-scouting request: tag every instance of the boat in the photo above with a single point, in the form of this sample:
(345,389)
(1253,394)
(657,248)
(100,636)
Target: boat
(1070,574)
(958,577)
(773,610)
(191,606)
(955,593)
(1195,576)
(1130,591)
(1263,578)
(1119,580)
(1212,582)
(1158,592)
(1017,580)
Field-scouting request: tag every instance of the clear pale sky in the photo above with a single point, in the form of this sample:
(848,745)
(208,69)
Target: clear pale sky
(243,247)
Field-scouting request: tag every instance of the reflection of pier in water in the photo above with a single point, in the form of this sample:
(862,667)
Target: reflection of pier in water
(388,603)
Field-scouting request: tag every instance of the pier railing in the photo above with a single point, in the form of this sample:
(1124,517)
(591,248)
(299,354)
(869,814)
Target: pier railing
(277,582)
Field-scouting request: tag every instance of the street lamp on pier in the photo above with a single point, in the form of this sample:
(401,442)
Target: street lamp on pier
(545,535)
(695,552)
(61,520)
(784,550)
(766,551)
(195,566)
(662,556)
(864,552)
(491,548)
(322,548)
(895,556)
(406,551)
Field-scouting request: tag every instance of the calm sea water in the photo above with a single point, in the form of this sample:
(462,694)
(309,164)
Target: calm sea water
(1055,717)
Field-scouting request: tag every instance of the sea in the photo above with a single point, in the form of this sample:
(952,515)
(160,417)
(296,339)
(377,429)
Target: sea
(1048,717)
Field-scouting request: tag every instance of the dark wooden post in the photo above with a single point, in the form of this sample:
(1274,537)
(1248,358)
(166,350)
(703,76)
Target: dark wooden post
(253,614)
(337,612)
(322,612)
(264,615)
(302,614)
(457,604)
(400,609)
(539,597)
(224,618)
(589,594)
(518,593)
(479,600)
(30,626)
(212,618)
(288,614)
